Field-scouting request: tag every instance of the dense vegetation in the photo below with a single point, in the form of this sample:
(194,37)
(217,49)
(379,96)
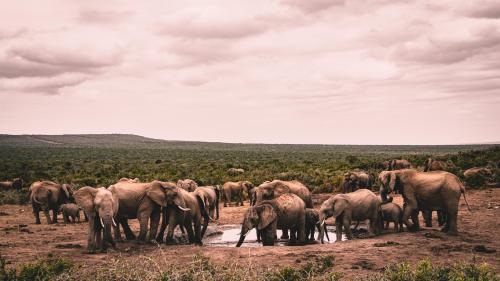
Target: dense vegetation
(103,159)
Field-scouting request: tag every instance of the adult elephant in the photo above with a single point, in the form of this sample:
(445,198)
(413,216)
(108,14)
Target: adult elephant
(210,196)
(187,184)
(141,201)
(101,206)
(426,191)
(359,205)
(434,165)
(355,180)
(397,164)
(17,184)
(181,208)
(284,212)
(235,189)
(47,195)
(272,189)
(482,171)
(235,171)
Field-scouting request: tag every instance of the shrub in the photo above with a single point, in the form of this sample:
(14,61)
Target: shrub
(40,270)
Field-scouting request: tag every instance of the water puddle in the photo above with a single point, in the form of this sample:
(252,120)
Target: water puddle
(228,236)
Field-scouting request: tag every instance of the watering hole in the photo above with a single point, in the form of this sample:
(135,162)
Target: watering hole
(229,234)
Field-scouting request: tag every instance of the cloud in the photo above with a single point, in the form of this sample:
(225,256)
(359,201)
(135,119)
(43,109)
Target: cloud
(312,6)
(103,16)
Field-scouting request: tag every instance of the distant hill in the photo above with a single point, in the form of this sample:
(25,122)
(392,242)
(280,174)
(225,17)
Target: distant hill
(138,142)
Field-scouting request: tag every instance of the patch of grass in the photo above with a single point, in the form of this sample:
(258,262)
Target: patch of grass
(46,269)
(13,197)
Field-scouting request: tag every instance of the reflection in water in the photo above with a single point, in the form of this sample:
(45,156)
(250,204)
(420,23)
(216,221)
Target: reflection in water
(231,234)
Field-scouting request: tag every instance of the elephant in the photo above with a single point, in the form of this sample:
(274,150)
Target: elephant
(235,171)
(397,164)
(142,201)
(359,205)
(230,189)
(425,191)
(392,212)
(70,210)
(355,180)
(434,165)
(101,206)
(312,221)
(187,184)
(284,212)
(136,180)
(210,196)
(181,208)
(428,217)
(17,184)
(47,195)
(485,172)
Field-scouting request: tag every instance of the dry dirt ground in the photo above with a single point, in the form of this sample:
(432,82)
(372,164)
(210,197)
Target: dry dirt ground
(22,241)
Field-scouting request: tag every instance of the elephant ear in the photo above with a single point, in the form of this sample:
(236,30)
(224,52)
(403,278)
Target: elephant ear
(392,182)
(157,193)
(267,215)
(339,206)
(65,189)
(114,194)
(84,198)
(280,188)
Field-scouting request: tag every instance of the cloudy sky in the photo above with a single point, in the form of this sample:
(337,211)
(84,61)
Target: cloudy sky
(290,71)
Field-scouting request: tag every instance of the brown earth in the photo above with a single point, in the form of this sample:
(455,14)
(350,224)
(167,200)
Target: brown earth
(23,241)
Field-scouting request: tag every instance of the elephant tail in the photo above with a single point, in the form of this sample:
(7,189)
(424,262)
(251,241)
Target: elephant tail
(462,190)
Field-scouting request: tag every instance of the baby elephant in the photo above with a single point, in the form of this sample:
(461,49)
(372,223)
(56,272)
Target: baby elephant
(312,222)
(392,212)
(70,210)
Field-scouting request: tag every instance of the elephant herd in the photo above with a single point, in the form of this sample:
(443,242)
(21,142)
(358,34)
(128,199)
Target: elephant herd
(274,205)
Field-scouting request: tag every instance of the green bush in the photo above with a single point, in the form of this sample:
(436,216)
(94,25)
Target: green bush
(40,270)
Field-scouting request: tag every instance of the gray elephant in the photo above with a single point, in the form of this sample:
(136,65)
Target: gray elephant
(397,164)
(235,171)
(70,211)
(235,189)
(359,205)
(284,212)
(187,184)
(392,212)
(142,201)
(16,184)
(181,208)
(47,195)
(210,196)
(355,180)
(312,222)
(434,165)
(101,206)
(136,180)
(426,191)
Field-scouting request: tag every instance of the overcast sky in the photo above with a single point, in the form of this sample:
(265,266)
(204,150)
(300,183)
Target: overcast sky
(291,71)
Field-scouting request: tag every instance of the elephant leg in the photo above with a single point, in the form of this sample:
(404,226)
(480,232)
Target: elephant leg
(189,229)
(427,218)
(36,213)
(408,211)
(259,240)
(197,231)
(206,219)
(54,215)
(293,237)
(129,235)
(172,223)
(91,237)
(441,217)
(143,227)
(386,225)
(164,222)
(98,238)
(118,235)
(451,224)
(47,216)
(414,218)
(65,218)
(338,228)
(153,227)
(347,226)
(284,234)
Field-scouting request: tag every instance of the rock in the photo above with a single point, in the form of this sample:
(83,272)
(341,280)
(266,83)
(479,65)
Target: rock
(68,246)
(386,244)
(483,249)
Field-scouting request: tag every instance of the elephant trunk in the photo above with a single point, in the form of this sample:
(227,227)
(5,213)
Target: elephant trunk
(383,195)
(322,229)
(243,233)
(107,223)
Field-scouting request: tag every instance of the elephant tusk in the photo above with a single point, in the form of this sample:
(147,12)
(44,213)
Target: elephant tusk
(184,209)
(210,218)
(102,223)
(322,223)
(114,223)
(244,234)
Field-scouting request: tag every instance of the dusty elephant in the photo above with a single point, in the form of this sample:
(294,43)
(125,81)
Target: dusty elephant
(142,201)
(101,206)
(434,165)
(284,212)
(16,184)
(355,180)
(47,195)
(182,208)
(312,222)
(397,164)
(235,189)
(485,172)
(187,184)
(70,210)
(359,205)
(392,212)
(426,191)
(235,171)
(210,196)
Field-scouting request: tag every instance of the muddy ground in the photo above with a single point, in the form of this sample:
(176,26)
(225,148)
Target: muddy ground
(22,241)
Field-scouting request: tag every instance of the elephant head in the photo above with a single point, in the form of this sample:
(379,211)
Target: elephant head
(259,217)
(101,206)
(333,207)
(169,194)
(388,183)
(271,189)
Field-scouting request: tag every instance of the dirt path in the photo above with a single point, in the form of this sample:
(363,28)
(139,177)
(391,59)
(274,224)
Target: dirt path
(21,241)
